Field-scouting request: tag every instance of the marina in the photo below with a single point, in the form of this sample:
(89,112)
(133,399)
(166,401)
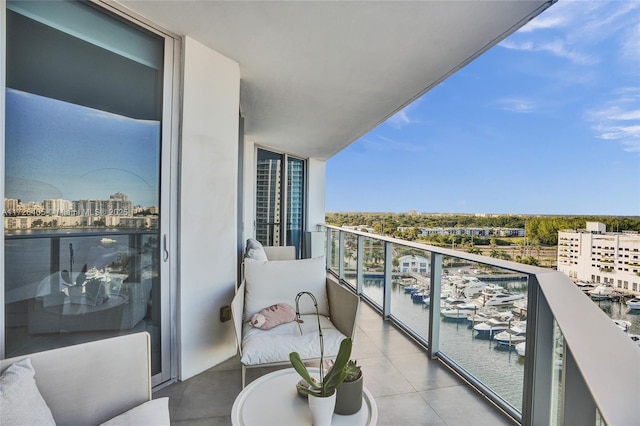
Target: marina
(473,338)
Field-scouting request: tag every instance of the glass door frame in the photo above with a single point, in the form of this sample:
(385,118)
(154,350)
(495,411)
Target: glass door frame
(282,224)
(167,231)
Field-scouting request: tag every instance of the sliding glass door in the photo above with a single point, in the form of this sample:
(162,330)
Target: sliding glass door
(280,183)
(85,138)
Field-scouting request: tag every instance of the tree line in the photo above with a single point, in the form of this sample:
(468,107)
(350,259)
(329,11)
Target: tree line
(542,230)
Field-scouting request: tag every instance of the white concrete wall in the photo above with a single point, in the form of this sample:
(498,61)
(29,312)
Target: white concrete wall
(317,188)
(208,217)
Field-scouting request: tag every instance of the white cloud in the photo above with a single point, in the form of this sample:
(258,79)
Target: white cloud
(544,22)
(557,47)
(400,118)
(517,105)
(619,119)
(584,25)
(631,43)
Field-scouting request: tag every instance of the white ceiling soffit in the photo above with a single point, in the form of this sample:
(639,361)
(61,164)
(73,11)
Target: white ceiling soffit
(317,75)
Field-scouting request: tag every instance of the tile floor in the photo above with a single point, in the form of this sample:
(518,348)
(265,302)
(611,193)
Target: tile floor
(409,389)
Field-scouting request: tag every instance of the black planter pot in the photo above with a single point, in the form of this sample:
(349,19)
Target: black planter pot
(349,397)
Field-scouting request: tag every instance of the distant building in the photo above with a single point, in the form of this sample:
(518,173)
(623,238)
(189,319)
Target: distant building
(57,207)
(476,232)
(594,255)
(10,206)
(411,263)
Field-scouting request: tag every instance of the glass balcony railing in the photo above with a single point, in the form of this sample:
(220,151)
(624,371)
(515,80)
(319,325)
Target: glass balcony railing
(524,336)
(65,288)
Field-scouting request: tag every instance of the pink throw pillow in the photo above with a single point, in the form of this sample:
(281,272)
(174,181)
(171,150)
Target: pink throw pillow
(272,316)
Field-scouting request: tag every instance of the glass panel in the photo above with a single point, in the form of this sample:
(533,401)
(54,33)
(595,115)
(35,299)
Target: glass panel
(82,161)
(350,258)
(295,203)
(410,293)
(483,322)
(268,197)
(334,245)
(556,375)
(373,264)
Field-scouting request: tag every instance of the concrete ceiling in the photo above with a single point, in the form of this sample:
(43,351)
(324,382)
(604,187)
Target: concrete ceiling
(317,75)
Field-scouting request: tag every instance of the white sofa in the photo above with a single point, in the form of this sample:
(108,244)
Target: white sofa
(267,282)
(93,383)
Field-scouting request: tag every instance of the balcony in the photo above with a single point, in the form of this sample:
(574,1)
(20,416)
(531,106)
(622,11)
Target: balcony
(422,368)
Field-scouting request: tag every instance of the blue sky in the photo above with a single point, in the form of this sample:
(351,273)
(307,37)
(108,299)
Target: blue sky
(58,150)
(547,122)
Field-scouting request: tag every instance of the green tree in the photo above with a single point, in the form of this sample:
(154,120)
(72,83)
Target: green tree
(474,250)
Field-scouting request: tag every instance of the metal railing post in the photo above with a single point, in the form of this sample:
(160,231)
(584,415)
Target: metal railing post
(435,290)
(329,249)
(388,279)
(536,398)
(341,254)
(360,265)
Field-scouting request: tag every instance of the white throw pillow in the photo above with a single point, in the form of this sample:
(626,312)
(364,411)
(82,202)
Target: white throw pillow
(280,281)
(154,412)
(20,399)
(255,251)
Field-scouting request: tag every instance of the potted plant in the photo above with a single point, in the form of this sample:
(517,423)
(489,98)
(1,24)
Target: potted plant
(349,394)
(321,391)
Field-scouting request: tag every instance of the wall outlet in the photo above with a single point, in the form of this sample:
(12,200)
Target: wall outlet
(225,313)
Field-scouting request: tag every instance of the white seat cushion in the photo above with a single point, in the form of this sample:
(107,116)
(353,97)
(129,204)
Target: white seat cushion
(274,345)
(154,412)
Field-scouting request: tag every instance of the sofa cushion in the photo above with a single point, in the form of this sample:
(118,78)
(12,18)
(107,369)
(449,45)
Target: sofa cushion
(255,251)
(274,345)
(280,281)
(20,400)
(154,412)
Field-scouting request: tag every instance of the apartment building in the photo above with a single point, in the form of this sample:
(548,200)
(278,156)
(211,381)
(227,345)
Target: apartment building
(595,255)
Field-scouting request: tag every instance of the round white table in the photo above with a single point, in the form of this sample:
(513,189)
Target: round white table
(273,400)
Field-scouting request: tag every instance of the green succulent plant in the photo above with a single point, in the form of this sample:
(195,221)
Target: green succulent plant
(353,371)
(327,384)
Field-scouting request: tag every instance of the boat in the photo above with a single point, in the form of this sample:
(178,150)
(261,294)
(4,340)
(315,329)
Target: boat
(601,292)
(426,300)
(492,326)
(503,298)
(516,334)
(418,296)
(473,288)
(635,338)
(520,348)
(459,311)
(623,325)
(634,303)
(410,289)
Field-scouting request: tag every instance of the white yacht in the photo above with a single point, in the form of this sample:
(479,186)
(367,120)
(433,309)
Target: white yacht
(492,326)
(460,310)
(634,303)
(601,292)
(512,336)
(503,298)
(520,348)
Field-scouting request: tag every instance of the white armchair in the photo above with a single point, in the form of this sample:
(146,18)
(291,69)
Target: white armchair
(279,281)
